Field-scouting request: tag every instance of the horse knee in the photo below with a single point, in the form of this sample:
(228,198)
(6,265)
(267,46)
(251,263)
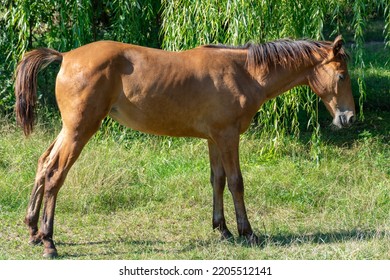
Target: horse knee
(236,183)
(218,176)
(218,180)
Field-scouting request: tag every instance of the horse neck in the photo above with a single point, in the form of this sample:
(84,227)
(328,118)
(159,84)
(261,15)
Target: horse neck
(278,80)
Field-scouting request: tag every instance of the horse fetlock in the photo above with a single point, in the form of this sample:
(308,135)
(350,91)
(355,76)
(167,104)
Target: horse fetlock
(36,237)
(222,228)
(35,240)
(226,235)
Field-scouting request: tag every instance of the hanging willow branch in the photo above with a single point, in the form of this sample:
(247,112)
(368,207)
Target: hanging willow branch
(183,24)
(189,23)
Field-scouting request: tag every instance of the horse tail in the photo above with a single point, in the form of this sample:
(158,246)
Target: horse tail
(26,84)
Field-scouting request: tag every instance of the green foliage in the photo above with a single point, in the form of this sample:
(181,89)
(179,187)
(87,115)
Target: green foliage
(189,23)
(134,22)
(65,25)
(183,24)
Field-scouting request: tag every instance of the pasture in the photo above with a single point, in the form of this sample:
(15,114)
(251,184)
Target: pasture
(151,199)
(133,196)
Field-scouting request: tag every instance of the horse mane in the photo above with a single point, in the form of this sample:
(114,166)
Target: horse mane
(285,52)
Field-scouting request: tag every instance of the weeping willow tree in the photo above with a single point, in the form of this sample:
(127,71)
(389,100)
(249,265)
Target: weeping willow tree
(64,25)
(189,23)
(183,24)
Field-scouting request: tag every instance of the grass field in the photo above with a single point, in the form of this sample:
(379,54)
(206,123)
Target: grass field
(149,197)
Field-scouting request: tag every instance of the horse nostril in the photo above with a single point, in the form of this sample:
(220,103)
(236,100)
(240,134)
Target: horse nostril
(351,119)
(342,120)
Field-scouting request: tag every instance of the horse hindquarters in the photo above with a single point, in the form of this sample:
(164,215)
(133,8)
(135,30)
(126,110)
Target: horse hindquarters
(82,111)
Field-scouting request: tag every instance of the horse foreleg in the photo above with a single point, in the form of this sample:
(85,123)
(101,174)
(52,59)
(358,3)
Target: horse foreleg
(228,145)
(218,181)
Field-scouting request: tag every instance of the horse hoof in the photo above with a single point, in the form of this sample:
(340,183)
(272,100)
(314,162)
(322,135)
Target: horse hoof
(50,254)
(253,240)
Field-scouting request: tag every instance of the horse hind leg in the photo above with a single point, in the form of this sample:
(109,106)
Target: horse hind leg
(64,153)
(54,167)
(34,205)
(58,165)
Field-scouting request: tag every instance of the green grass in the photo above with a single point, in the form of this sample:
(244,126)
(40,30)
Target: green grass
(132,196)
(151,199)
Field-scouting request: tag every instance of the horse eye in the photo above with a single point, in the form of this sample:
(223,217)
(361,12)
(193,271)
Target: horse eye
(341,77)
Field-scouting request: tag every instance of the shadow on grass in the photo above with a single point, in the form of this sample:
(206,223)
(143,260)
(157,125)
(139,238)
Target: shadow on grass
(136,247)
(162,248)
(375,124)
(324,238)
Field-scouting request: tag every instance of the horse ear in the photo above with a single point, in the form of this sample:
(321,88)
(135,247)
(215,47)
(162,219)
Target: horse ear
(337,45)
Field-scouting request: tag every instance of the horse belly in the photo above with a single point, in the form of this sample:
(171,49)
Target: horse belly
(157,121)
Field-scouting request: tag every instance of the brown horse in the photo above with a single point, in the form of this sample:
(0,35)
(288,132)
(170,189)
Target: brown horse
(210,92)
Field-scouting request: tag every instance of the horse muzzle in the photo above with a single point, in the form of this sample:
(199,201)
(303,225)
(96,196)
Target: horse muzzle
(343,119)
